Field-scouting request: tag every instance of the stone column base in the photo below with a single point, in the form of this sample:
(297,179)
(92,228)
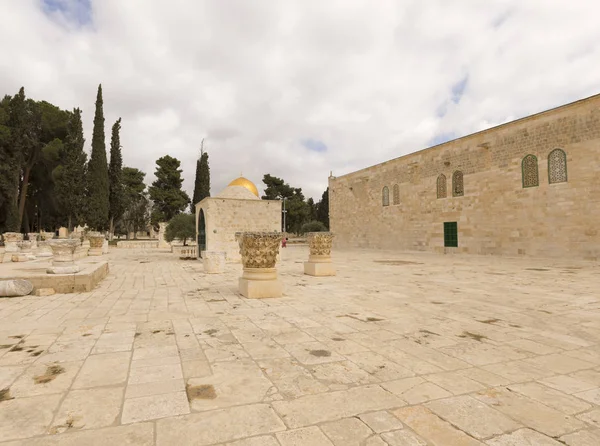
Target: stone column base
(319,269)
(70,269)
(22,257)
(260,289)
(95,252)
(213,261)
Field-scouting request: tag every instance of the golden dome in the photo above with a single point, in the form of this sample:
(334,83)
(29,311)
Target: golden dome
(241,181)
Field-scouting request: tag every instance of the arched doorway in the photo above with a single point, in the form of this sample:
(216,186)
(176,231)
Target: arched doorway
(201,233)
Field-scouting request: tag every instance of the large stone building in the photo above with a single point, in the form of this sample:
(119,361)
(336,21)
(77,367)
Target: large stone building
(530,187)
(237,208)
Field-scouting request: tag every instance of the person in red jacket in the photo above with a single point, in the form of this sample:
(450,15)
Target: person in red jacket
(284,242)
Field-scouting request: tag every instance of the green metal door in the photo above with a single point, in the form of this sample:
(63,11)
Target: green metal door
(450,234)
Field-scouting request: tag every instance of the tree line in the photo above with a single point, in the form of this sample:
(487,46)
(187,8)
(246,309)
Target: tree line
(47,180)
(302,215)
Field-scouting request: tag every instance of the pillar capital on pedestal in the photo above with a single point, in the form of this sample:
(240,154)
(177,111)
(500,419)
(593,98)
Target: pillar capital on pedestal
(10,241)
(259,249)
(259,254)
(62,260)
(320,243)
(96,240)
(319,260)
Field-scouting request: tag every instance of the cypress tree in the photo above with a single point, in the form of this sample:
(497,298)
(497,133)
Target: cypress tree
(202,184)
(69,176)
(323,208)
(195,199)
(116,198)
(204,177)
(97,175)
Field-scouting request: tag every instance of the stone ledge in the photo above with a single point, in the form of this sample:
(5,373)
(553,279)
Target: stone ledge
(90,275)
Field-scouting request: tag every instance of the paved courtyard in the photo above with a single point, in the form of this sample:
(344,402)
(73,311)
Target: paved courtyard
(397,349)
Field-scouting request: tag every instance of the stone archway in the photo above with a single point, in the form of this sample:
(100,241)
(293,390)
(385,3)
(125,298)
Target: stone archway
(201,233)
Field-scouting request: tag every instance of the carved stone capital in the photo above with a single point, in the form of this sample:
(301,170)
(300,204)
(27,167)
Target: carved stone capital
(44,249)
(320,245)
(259,249)
(10,241)
(24,246)
(96,240)
(62,251)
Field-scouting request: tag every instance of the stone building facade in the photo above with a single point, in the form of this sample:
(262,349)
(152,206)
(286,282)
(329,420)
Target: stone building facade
(530,187)
(236,209)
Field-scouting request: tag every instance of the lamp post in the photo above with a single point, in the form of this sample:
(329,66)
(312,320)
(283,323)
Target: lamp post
(284,212)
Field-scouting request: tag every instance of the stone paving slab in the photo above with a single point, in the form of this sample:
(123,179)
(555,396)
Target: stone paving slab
(446,351)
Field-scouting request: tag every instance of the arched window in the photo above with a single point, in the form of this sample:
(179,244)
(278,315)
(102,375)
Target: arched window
(396,194)
(458,187)
(557,166)
(386,196)
(441,186)
(529,170)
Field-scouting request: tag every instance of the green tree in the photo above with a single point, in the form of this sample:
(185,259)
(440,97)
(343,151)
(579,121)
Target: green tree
(9,171)
(116,198)
(323,208)
(313,226)
(297,210)
(202,183)
(69,176)
(136,215)
(182,227)
(26,128)
(169,200)
(312,209)
(42,209)
(97,173)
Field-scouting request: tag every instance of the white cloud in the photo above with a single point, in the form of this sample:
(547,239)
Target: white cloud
(256,79)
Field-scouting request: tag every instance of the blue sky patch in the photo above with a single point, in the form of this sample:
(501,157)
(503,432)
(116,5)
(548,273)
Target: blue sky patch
(458,89)
(314,145)
(78,12)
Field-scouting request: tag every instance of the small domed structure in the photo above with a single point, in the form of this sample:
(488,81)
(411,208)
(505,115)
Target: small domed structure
(244,182)
(237,208)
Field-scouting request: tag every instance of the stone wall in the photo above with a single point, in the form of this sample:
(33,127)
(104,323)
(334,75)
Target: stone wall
(225,216)
(496,214)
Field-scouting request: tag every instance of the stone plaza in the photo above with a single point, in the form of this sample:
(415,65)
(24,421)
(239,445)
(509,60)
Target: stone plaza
(396,349)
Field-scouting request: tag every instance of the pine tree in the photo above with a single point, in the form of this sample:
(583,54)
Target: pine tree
(116,198)
(9,169)
(69,176)
(169,200)
(26,127)
(136,214)
(97,174)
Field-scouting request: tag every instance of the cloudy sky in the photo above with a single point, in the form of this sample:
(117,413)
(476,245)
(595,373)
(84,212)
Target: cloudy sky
(298,88)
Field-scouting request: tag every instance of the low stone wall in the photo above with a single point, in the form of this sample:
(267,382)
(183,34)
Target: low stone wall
(138,244)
